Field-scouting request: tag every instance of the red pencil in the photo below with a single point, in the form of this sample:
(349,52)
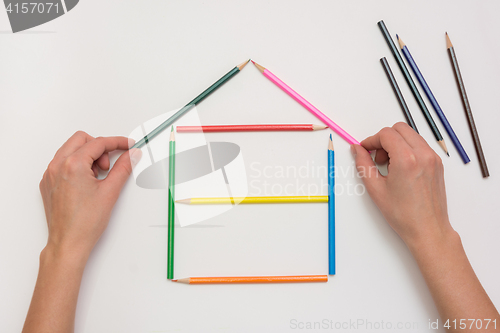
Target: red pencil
(247,128)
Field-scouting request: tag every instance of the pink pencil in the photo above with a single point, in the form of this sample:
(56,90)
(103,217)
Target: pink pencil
(320,115)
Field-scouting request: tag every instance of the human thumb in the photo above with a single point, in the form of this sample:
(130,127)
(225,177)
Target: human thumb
(121,170)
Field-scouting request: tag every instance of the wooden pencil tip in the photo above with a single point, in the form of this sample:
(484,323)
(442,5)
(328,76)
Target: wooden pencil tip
(448,41)
(319,127)
(330,143)
(401,43)
(173,280)
(243,64)
(253,62)
(397,37)
(443,145)
(184,201)
(259,67)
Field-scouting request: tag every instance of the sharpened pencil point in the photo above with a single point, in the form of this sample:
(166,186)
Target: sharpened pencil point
(448,41)
(184,201)
(253,62)
(443,145)
(330,137)
(259,67)
(401,43)
(173,280)
(319,127)
(243,64)
(397,36)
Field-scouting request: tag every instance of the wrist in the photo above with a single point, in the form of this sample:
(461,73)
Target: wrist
(434,244)
(53,254)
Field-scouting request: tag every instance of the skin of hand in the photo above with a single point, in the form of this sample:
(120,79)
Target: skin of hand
(412,198)
(77,208)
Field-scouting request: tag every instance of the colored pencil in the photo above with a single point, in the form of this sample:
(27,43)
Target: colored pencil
(249,128)
(190,105)
(302,101)
(412,85)
(398,93)
(255,200)
(254,279)
(171,206)
(432,99)
(468,110)
(331,208)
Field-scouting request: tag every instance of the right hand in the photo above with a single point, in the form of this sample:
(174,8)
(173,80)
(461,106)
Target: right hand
(412,196)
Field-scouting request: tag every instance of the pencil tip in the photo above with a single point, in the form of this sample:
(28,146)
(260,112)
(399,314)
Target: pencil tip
(243,64)
(172,129)
(330,136)
(448,154)
(397,36)
(184,201)
(173,280)
(259,67)
(253,62)
(448,41)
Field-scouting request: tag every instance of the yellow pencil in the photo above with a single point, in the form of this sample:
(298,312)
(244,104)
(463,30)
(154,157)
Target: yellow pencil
(255,200)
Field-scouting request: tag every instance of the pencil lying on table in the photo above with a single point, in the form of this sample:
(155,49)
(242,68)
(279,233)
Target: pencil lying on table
(412,85)
(398,93)
(171,206)
(255,200)
(190,105)
(302,101)
(468,111)
(254,279)
(331,208)
(432,99)
(250,128)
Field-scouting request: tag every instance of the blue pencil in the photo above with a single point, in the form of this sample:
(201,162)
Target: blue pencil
(331,208)
(433,101)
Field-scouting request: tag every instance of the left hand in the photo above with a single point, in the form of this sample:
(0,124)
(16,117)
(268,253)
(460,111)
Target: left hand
(77,204)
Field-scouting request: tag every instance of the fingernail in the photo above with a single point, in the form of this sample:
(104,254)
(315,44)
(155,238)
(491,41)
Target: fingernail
(353,151)
(135,156)
(131,142)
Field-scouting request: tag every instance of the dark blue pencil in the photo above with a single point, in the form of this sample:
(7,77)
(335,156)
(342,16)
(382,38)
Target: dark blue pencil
(331,208)
(433,101)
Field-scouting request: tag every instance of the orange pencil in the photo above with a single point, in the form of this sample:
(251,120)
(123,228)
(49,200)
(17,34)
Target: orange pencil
(253,279)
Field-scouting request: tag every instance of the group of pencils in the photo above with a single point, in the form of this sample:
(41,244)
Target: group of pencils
(432,99)
(328,123)
(330,198)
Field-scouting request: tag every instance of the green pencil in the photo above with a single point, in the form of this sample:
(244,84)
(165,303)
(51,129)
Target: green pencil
(171,207)
(190,105)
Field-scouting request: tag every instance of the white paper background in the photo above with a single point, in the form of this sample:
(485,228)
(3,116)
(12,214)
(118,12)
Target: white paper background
(108,66)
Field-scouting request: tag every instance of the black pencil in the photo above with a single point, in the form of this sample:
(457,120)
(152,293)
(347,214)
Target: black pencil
(399,95)
(413,86)
(468,111)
